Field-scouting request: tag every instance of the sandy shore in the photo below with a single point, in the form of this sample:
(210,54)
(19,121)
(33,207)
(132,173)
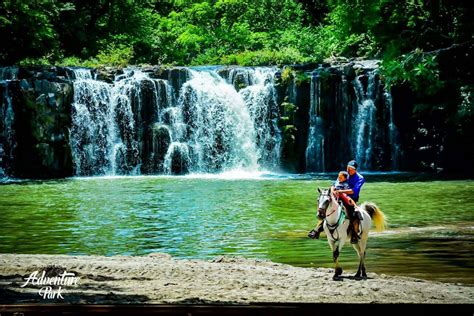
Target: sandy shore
(158,278)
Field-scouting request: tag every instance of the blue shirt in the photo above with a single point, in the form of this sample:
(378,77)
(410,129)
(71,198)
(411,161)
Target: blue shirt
(355,183)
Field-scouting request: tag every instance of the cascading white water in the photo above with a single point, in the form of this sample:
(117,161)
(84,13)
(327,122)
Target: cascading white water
(82,73)
(177,158)
(104,134)
(315,145)
(393,131)
(365,125)
(137,125)
(352,119)
(260,97)
(213,122)
(7,133)
(92,131)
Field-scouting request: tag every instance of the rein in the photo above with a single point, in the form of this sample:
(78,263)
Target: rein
(333,227)
(335,202)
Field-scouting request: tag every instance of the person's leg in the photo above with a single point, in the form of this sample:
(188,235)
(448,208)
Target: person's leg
(314,234)
(355,227)
(353,218)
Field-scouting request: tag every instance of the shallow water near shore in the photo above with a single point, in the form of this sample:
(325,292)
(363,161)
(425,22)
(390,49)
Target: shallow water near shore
(430,234)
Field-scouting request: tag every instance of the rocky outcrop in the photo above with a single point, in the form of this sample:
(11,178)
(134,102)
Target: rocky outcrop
(431,134)
(41,102)
(341,112)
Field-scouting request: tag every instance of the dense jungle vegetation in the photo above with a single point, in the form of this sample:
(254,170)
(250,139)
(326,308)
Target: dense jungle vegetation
(425,46)
(406,34)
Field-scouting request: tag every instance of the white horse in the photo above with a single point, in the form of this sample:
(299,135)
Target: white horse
(336,225)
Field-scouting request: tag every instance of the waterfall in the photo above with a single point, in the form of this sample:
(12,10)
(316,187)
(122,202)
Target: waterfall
(220,133)
(143,125)
(81,73)
(315,146)
(107,122)
(91,135)
(7,133)
(177,160)
(7,119)
(8,73)
(350,117)
(365,124)
(393,132)
(260,98)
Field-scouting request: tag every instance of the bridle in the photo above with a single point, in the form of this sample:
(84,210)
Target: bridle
(324,210)
(332,227)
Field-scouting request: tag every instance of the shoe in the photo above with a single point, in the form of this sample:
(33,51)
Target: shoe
(314,234)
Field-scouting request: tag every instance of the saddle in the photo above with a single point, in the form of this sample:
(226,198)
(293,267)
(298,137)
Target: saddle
(351,215)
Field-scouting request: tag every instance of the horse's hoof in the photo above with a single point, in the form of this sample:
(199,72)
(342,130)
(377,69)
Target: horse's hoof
(337,278)
(338,272)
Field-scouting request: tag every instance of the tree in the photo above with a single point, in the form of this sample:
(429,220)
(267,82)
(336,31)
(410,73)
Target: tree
(28,29)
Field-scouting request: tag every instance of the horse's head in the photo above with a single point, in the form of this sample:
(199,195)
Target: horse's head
(323,202)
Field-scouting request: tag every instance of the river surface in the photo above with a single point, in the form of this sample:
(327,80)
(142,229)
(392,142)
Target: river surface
(430,234)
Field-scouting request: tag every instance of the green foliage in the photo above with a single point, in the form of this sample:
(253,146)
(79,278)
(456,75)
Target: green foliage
(348,29)
(287,120)
(118,56)
(302,77)
(28,29)
(244,32)
(289,108)
(113,55)
(264,57)
(417,69)
(235,32)
(289,131)
(287,75)
(288,111)
(41,61)
(241,32)
(71,61)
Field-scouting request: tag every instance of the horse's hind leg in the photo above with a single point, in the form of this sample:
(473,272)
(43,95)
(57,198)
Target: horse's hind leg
(360,248)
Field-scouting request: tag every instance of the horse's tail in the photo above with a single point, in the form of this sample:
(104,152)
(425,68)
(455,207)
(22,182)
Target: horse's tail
(379,218)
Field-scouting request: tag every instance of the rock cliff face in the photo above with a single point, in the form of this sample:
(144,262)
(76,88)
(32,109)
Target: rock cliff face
(59,122)
(36,116)
(343,112)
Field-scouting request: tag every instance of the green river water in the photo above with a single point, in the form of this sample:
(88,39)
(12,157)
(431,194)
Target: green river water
(430,234)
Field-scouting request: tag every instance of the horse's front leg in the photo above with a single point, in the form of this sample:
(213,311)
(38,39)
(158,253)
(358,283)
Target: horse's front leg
(335,257)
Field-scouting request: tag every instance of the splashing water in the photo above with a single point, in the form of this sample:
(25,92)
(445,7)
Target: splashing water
(220,132)
(261,99)
(92,130)
(137,125)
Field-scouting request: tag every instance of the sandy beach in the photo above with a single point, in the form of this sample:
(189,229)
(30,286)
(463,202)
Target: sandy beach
(161,279)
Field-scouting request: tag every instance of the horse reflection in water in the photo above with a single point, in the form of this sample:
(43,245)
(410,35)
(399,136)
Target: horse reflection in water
(336,226)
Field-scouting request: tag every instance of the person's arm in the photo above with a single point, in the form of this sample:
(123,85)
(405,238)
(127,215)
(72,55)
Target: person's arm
(355,189)
(346,191)
(357,186)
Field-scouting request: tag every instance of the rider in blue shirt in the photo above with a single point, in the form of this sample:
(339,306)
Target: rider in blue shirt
(349,196)
(340,184)
(355,181)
